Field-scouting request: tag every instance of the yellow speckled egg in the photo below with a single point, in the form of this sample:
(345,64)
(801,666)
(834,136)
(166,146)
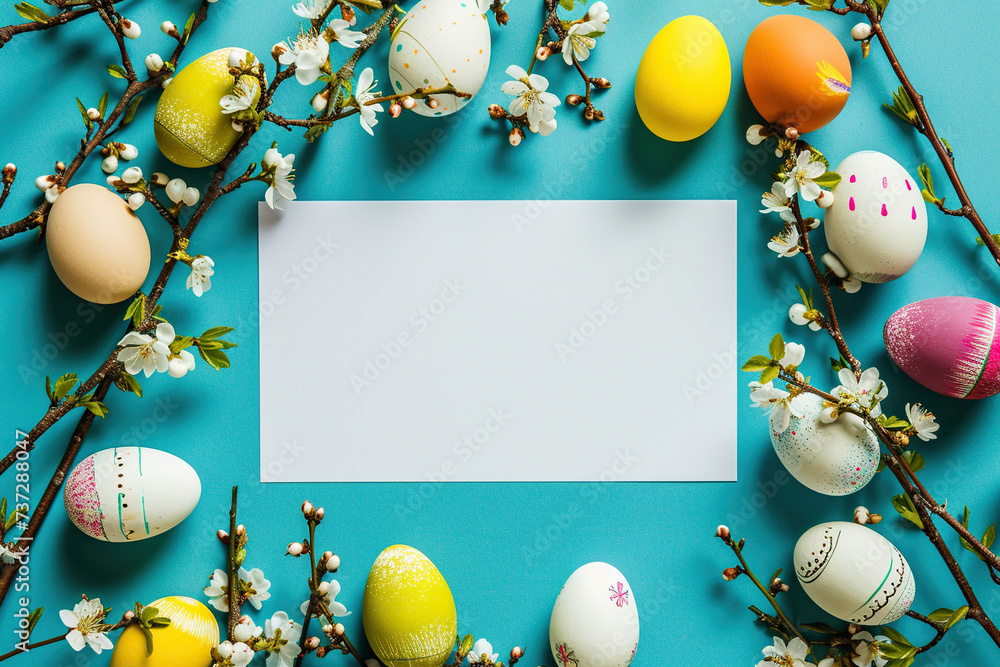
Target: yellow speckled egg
(187,642)
(97,245)
(189,125)
(684,77)
(408,611)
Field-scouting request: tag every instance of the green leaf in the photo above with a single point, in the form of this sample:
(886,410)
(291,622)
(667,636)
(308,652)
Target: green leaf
(149,640)
(63,385)
(181,343)
(48,392)
(820,627)
(913,459)
(130,110)
(187,29)
(820,5)
(241,556)
(966,545)
(776,3)
(83,112)
(33,619)
(777,347)
(904,505)
(807,298)
(11,520)
(757,363)
(117,71)
(769,374)
(159,621)
(32,13)
(893,423)
(217,359)
(948,617)
(127,383)
(881,464)
(839,364)
(830,180)
(137,311)
(97,408)
(896,637)
(566,4)
(214,333)
(102,106)
(989,536)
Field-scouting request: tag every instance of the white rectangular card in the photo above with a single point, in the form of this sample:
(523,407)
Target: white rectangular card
(498,341)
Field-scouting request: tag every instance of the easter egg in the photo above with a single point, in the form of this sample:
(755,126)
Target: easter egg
(682,86)
(877,224)
(96,244)
(189,125)
(796,72)
(126,494)
(949,344)
(438,42)
(853,573)
(833,459)
(595,621)
(408,611)
(186,642)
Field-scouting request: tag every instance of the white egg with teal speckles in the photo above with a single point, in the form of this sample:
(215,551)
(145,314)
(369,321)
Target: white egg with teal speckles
(853,573)
(833,459)
(438,42)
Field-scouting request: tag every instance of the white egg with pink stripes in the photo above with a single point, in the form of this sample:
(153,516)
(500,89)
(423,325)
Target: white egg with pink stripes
(877,224)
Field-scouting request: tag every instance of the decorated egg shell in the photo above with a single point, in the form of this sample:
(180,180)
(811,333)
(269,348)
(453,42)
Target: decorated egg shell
(833,459)
(96,244)
(684,77)
(877,224)
(949,344)
(186,642)
(408,611)
(126,494)
(853,573)
(595,621)
(796,72)
(438,42)
(189,125)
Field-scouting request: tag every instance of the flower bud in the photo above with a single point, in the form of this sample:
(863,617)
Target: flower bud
(731,573)
(129,615)
(395,109)
(543,52)
(52,194)
(432,103)
(154,63)
(176,367)
(861,515)
(166,82)
(588,113)
(861,32)
(327,629)
(236,125)
(797,314)
(834,264)
(93,114)
(311,644)
(175,190)
(60,166)
(222,536)
(127,151)
(333,563)
(295,549)
(135,201)
(791,133)
(238,57)
(132,175)
(574,99)
(598,115)
(320,101)
(347,14)
(515,136)
(323,588)
(191,196)
(159,178)
(43,183)
(318,514)
(109,164)
(825,199)
(278,49)
(516,653)
(241,530)
(829,414)
(722,532)
(497,112)
(168,28)
(113,181)
(338,629)
(9,172)
(271,157)
(408,102)
(308,509)
(130,29)
(756,134)
(601,82)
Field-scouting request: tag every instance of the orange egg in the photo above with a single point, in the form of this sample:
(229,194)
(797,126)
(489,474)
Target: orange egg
(796,72)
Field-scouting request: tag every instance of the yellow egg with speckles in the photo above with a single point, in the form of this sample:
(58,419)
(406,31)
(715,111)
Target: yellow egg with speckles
(408,611)
(189,125)
(186,642)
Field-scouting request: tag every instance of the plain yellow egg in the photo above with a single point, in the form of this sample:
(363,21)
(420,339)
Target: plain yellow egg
(684,78)
(187,642)
(408,610)
(97,245)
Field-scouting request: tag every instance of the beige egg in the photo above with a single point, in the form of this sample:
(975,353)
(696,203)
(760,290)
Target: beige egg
(97,245)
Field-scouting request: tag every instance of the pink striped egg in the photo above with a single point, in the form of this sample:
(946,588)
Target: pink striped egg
(949,344)
(877,224)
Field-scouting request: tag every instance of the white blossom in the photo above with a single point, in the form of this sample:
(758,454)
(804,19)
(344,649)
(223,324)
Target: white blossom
(281,189)
(239,653)
(144,353)
(218,588)
(242,96)
(802,175)
(136,200)
(778,400)
(792,654)
(180,364)
(310,9)
(786,244)
(869,649)
(599,12)
(776,201)
(246,629)
(794,355)
(580,39)
(797,315)
(86,626)
(366,84)
(482,652)
(531,99)
(754,135)
(308,52)
(868,390)
(175,190)
(923,421)
(336,608)
(343,35)
(287,650)
(153,62)
(200,280)
(130,29)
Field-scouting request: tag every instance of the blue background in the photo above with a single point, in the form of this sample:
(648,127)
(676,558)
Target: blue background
(505,549)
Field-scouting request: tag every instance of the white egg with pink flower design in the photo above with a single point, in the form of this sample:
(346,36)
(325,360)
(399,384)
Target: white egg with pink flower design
(877,224)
